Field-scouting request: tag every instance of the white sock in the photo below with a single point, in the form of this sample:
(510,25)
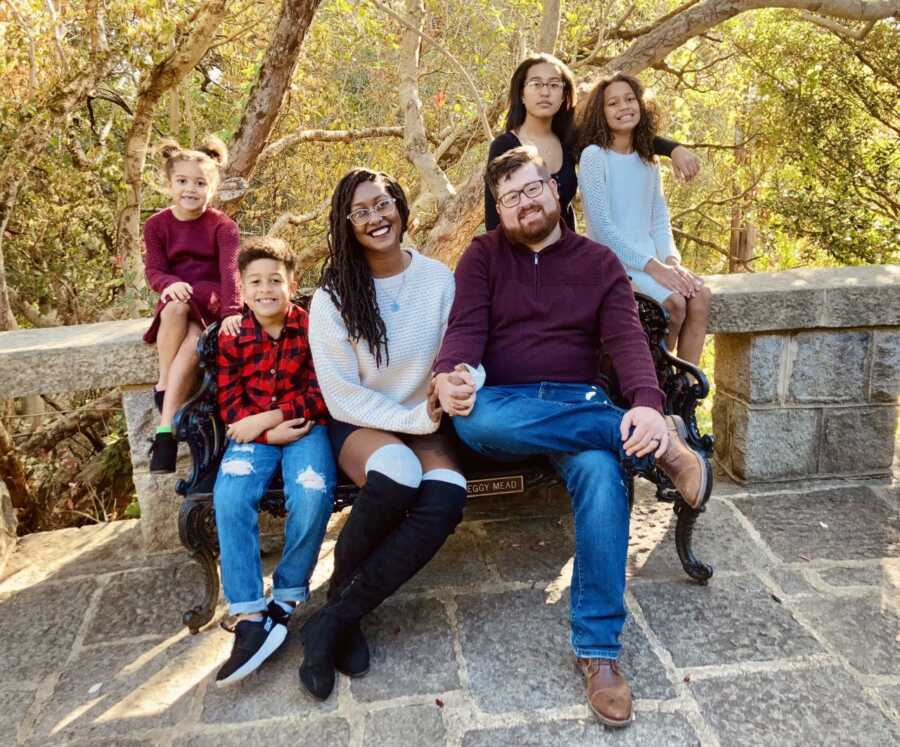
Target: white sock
(288,607)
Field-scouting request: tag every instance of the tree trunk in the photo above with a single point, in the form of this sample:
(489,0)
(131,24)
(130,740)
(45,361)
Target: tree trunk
(458,221)
(272,83)
(162,78)
(549,31)
(12,472)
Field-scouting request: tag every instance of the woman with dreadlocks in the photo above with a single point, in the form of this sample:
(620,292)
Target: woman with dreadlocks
(376,325)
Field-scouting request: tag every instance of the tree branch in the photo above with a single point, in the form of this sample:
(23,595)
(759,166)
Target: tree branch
(449,55)
(837,28)
(327,136)
(75,422)
(549,31)
(295,219)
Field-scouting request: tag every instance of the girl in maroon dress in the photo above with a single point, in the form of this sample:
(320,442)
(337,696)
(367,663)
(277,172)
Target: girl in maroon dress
(191,262)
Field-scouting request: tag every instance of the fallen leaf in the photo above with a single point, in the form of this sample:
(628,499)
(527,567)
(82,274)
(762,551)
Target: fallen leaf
(439,703)
(802,557)
(687,678)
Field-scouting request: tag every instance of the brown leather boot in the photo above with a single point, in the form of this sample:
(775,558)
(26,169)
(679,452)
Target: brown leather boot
(687,468)
(608,693)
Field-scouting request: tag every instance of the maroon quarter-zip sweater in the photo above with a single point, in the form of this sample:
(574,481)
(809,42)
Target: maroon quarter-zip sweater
(544,316)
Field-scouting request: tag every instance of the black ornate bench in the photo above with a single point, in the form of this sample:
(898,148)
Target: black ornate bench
(198,424)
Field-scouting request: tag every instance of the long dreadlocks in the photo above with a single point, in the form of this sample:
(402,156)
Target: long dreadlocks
(346,275)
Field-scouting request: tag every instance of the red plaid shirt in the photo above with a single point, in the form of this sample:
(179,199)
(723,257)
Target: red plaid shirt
(257,373)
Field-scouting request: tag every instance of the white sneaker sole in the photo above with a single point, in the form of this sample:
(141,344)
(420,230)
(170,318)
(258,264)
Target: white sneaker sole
(270,646)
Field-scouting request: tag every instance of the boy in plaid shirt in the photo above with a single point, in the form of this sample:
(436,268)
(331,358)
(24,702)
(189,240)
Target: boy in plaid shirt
(275,415)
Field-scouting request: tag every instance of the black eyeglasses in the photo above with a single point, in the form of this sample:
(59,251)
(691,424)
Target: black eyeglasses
(362,215)
(532,189)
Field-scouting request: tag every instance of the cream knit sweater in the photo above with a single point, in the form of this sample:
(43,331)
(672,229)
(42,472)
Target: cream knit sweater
(390,398)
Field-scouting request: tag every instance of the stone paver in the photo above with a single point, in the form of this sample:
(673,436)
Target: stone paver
(475,651)
(840,524)
(410,725)
(806,707)
(734,619)
(649,730)
(412,651)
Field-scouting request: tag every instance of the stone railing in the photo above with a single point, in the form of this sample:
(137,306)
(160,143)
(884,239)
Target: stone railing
(807,372)
(807,377)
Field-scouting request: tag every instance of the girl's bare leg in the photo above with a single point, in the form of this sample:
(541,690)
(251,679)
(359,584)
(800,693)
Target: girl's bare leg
(693,331)
(182,374)
(676,305)
(173,326)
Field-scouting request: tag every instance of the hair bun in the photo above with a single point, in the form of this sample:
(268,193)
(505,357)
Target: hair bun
(215,149)
(168,148)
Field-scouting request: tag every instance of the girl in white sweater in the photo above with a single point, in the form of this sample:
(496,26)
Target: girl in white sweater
(376,324)
(625,210)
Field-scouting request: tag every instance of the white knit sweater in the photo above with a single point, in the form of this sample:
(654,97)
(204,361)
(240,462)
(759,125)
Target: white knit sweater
(390,398)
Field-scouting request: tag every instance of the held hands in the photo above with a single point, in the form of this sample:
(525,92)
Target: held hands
(433,406)
(179,291)
(288,431)
(230,325)
(695,280)
(643,432)
(685,164)
(456,391)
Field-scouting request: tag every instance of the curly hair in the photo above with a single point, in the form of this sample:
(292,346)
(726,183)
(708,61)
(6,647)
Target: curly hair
(593,129)
(211,154)
(346,275)
(562,123)
(265,247)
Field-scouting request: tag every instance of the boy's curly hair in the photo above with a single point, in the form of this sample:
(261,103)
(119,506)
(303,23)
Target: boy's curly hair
(265,247)
(592,128)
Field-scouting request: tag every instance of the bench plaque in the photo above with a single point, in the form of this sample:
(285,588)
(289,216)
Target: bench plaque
(496,485)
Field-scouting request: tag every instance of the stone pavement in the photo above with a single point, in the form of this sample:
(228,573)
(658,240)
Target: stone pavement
(796,640)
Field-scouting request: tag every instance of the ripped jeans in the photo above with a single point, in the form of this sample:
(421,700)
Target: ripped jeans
(309,472)
(577,427)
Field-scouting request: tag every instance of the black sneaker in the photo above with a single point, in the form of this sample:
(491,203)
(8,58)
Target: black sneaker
(254,642)
(158,397)
(277,613)
(163,454)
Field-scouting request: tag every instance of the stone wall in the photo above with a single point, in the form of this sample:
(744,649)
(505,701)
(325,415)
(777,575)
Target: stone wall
(807,373)
(807,376)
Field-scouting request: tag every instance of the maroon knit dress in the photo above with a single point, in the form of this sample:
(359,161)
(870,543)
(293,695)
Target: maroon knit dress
(201,252)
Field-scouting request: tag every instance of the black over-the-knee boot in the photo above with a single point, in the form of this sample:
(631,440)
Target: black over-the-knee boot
(378,508)
(396,560)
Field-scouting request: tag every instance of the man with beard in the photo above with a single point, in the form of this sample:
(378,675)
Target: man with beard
(535,303)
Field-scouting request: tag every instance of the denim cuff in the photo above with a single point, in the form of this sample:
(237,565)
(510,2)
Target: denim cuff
(245,608)
(596,652)
(296,594)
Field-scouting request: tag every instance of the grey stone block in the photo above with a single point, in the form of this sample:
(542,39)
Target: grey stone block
(811,706)
(141,418)
(863,629)
(419,725)
(39,625)
(855,305)
(159,508)
(648,730)
(273,691)
(128,688)
(719,539)
(318,732)
(459,562)
(857,524)
(758,309)
(828,366)
(885,386)
(529,549)
(517,652)
(867,576)
(723,428)
(8,524)
(645,672)
(72,359)
(146,602)
(749,365)
(791,582)
(858,440)
(773,444)
(13,705)
(732,620)
(412,651)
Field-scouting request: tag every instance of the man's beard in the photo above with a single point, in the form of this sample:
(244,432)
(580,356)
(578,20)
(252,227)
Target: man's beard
(536,232)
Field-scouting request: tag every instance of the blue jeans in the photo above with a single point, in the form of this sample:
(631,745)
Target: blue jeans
(309,472)
(577,427)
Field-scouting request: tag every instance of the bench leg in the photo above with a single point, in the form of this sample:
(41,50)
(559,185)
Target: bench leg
(684,531)
(197,529)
